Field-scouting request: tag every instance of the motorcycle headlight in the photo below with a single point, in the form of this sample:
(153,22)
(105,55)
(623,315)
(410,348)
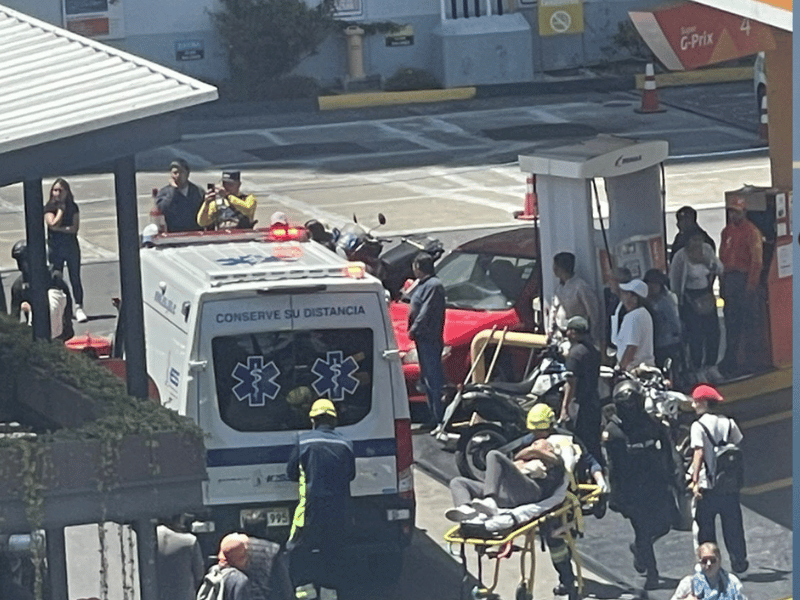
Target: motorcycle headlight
(411,357)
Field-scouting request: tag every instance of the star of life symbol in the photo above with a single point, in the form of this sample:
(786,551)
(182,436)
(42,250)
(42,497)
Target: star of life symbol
(256,381)
(335,375)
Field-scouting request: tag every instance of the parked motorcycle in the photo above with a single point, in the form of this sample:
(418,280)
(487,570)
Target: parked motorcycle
(500,409)
(392,267)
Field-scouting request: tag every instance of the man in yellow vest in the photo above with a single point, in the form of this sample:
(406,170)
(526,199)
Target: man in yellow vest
(324,465)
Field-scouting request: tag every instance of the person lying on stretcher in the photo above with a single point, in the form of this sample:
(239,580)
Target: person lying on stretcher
(535,481)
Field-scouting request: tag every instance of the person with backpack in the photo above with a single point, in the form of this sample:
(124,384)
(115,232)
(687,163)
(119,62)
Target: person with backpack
(716,476)
(227,580)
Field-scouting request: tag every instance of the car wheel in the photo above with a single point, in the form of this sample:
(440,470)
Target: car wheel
(473,446)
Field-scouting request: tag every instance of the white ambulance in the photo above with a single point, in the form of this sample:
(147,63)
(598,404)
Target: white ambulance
(244,330)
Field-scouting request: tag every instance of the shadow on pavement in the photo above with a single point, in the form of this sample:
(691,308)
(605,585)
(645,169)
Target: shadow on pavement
(429,573)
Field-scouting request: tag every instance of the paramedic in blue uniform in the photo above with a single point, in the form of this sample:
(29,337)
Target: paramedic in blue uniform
(324,465)
(426,330)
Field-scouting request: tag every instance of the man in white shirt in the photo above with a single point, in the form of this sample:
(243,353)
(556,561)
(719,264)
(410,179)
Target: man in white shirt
(634,340)
(573,297)
(710,502)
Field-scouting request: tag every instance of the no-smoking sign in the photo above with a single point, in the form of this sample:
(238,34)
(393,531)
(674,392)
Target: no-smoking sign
(558,17)
(560,21)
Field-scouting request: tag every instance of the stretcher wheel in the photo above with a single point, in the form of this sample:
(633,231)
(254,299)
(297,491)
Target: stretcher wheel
(523,593)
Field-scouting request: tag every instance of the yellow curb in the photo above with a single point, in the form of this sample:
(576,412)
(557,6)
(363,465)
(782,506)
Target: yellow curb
(389,98)
(759,385)
(767,487)
(696,77)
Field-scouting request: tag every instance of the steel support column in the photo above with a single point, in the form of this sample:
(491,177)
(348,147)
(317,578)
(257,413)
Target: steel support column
(57,563)
(37,257)
(147,547)
(130,275)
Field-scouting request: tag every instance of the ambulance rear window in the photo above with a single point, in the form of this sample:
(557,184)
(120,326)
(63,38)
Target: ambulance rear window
(268,381)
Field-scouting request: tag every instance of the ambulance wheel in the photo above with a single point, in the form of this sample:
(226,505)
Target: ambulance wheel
(523,593)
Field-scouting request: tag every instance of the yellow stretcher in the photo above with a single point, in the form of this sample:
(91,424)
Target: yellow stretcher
(565,519)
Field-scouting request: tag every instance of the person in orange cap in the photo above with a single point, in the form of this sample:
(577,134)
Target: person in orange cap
(713,494)
(741,253)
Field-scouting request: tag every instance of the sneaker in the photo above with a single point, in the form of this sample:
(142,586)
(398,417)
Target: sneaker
(327,594)
(640,568)
(485,506)
(305,592)
(80,316)
(740,566)
(652,581)
(571,591)
(461,513)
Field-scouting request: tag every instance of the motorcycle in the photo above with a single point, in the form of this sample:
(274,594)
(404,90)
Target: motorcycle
(501,408)
(393,267)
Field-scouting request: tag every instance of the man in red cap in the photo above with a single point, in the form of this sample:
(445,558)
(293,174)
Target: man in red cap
(741,253)
(714,494)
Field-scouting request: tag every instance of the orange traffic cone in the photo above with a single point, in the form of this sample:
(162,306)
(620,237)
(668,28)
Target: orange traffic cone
(531,210)
(649,93)
(763,126)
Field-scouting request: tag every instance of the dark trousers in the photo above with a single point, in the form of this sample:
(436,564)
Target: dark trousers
(734,292)
(730,512)
(701,332)
(430,367)
(314,556)
(504,483)
(646,531)
(69,253)
(587,427)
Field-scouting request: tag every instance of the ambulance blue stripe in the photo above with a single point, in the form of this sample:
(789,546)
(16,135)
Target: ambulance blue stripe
(258,455)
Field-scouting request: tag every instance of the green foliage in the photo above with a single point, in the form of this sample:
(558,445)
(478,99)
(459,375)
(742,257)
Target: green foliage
(120,415)
(268,39)
(411,79)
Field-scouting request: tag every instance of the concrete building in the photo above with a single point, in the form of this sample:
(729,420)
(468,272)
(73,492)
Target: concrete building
(461,42)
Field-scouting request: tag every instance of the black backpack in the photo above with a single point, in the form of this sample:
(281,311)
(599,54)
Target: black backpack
(729,475)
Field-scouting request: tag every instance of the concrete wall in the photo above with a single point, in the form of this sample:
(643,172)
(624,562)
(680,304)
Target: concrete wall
(152,28)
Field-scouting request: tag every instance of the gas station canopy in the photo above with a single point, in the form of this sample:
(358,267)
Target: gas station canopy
(688,35)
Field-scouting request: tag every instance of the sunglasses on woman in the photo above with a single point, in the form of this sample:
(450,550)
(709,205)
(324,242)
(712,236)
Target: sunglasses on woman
(708,560)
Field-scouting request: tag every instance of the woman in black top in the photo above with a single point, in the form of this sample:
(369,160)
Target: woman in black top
(62,217)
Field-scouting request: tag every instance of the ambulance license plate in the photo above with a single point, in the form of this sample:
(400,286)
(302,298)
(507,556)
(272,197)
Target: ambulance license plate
(278,517)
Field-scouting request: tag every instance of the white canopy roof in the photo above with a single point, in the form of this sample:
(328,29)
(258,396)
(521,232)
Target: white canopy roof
(56,84)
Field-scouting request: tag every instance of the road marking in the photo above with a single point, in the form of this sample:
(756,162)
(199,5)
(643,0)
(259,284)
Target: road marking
(767,487)
(766,420)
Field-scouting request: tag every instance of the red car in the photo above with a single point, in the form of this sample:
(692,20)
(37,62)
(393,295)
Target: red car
(488,281)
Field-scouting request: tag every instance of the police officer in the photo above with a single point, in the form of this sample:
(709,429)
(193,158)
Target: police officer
(324,465)
(640,470)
